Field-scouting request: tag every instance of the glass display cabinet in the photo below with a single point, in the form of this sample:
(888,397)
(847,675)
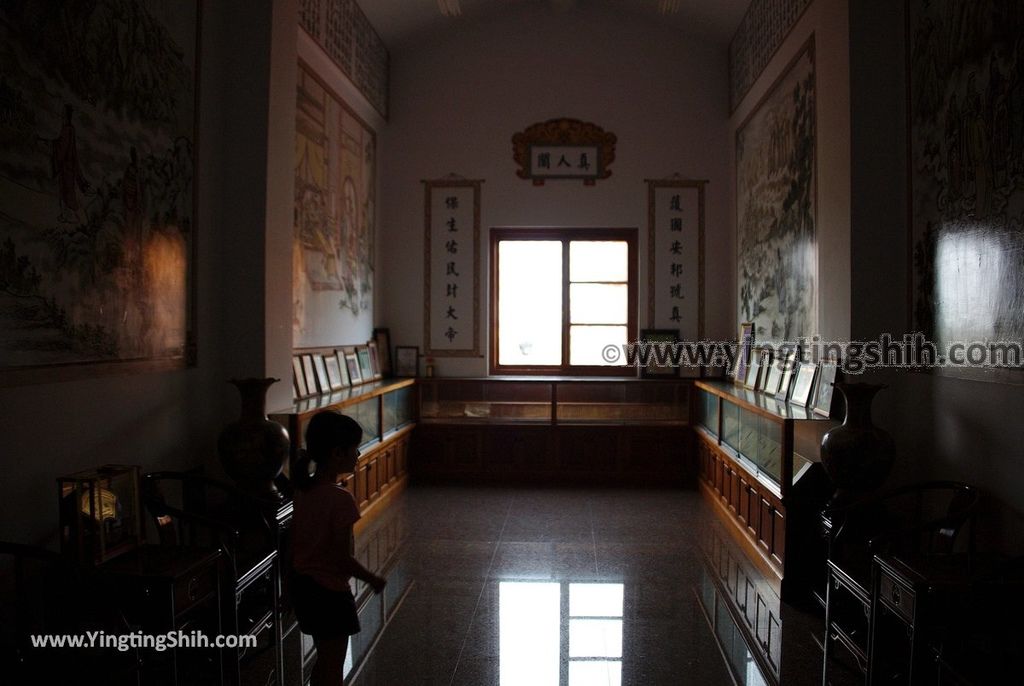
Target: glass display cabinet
(386,410)
(555,430)
(759,464)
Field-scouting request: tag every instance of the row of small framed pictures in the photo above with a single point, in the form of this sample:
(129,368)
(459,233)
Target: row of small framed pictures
(334,370)
(805,384)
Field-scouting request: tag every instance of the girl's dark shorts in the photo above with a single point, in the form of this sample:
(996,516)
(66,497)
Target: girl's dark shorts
(323,613)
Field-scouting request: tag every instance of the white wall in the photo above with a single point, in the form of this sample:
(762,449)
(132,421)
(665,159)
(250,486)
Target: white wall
(458,97)
(171,419)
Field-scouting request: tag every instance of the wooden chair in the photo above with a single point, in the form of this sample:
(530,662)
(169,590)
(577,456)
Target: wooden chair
(47,594)
(924,518)
(189,508)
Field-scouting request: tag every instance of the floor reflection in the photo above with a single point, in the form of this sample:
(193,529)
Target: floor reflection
(517,587)
(534,634)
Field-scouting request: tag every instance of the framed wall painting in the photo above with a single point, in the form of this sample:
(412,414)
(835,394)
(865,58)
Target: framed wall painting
(451,267)
(966,146)
(658,337)
(776,207)
(335,216)
(365,368)
(98,189)
(299,377)
(339,355)
(310,373)
(352,365)
(789,368)
(382,337)
(407,359)
(804,383)
(333,372)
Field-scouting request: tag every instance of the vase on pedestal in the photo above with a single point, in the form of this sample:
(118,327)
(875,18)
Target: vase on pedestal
(857,455)
(253,449)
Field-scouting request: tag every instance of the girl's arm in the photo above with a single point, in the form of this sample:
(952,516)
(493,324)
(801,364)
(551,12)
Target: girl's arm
(353,567)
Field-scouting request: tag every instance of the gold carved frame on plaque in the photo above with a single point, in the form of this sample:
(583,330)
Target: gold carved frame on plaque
(451,181)
(563,132)
(675,181)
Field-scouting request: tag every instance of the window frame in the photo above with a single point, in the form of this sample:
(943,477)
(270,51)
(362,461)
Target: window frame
(565,235)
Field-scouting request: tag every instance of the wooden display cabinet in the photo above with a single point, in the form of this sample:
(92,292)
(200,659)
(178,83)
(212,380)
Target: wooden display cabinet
(759,466)
(386,410)
(547,430)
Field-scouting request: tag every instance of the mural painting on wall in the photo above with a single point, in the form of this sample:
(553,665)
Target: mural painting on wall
(335,161)
(775,210)
(967,176)
(97,127)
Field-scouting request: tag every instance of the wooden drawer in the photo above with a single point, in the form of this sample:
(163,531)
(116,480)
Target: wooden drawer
(897,597)
(190,590)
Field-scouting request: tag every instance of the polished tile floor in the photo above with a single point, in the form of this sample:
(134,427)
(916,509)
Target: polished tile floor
(578,587)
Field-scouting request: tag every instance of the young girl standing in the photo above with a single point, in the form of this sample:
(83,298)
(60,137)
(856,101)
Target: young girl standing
(322,543)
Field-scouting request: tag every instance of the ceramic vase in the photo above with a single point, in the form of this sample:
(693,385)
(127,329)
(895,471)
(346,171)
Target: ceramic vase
(253,449)
(857,455)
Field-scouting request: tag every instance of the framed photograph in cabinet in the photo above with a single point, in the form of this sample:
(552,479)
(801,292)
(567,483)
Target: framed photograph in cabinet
(339,355)
(407,359)
(333,372)
(753,377)
(774,376)
(363,357)
(826,386)
(658,338)
(352,366)
(374,360)
(322,381)
(743,350)
(788,366)
(803,384)
(310,374)
(299,376)
(382,337)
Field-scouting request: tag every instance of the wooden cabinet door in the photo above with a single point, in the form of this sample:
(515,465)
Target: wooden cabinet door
(765,526)
(778,536)
(373,478)
(361,492)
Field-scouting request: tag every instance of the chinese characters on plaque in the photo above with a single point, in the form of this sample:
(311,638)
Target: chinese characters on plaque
(675,253)
(563,149)
(565,162)
(452,268)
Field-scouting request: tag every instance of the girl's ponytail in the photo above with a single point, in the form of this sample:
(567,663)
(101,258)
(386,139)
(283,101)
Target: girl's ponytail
(301,477)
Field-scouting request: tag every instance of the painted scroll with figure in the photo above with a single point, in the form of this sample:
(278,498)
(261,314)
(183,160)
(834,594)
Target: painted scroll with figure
(97,219)
(451,326)
(967,173)
(675,255)
(333,250)
(775,207)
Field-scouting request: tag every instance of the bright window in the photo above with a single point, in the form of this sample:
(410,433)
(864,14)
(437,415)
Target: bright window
(560,297)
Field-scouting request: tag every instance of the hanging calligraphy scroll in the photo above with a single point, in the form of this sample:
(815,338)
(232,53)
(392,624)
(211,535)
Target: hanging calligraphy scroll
(451,326)
(675,256)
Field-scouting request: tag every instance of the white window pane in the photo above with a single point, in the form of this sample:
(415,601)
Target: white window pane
(595,638)
(595,600)
(595,673)
(587,344)
(598,261)
(598,303)
(529,302)
(529,625)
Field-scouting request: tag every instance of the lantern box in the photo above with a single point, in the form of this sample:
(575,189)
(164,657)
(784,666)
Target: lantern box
(100,516)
